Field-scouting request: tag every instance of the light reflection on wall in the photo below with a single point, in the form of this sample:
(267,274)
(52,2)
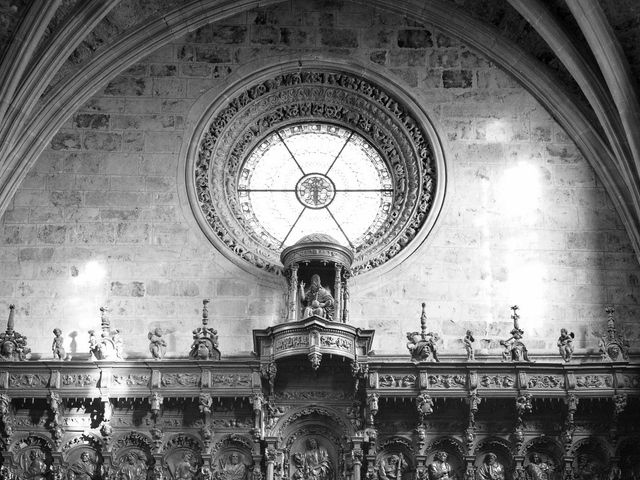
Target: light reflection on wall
(518,197)
(88,293)
(481,221)
(496,131)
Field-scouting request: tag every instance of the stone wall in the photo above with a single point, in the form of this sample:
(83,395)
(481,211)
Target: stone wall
(99,220)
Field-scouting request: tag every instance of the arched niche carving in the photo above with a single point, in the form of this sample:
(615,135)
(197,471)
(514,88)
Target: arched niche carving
(82,455)
(591,457)
(502,450)
(395,460)
(455,453)
(314,452)
(133,455)
(181,454)
(629,454)
(313,413)
(546,453)
(232,458)
(326,426)
(314,443)
(32,456)
(84,440)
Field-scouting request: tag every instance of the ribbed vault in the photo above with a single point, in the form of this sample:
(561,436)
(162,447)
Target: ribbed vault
(58,60)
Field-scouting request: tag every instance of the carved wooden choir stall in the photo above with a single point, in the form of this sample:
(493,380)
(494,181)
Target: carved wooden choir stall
(315,403)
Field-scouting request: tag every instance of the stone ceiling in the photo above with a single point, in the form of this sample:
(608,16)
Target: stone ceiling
(580,59)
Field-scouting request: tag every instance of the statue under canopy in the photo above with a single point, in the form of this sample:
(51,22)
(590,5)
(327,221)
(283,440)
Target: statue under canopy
(320,260)
(317,299)
(313,463)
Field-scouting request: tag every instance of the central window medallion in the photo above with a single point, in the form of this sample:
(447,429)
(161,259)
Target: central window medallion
(315,178)
(315,190)
(315,151)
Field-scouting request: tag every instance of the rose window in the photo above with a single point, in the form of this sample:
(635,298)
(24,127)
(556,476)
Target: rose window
(315,178)
(321,151)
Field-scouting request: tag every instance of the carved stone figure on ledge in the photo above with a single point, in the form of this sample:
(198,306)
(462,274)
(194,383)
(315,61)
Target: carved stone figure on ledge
(205,339)
(13,346)
(423,348)
(613,346)
(157,344)
(57,347)
(110,345)
(514,348)
(491,469)
(422,345)
(314,463)
(565,344)
(439,469)
(467,341)
(317,299)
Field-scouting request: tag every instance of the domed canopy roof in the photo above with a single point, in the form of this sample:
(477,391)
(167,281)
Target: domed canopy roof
(317,247)
(317,238)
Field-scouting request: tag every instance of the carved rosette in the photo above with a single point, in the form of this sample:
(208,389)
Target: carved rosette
(390,121)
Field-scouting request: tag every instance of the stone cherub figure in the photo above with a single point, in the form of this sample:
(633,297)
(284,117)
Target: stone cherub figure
(317,299)
(565,344)
(57,346)
(467,341)
(157,344)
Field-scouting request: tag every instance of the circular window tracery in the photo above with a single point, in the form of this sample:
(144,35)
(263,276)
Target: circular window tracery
(315,178)
(289,136)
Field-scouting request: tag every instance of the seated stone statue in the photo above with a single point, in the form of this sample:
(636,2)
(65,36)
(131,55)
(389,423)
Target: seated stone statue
(317,300)
(491,469)
(314,463)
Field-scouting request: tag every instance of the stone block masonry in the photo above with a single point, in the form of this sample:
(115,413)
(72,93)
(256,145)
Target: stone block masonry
(98,221)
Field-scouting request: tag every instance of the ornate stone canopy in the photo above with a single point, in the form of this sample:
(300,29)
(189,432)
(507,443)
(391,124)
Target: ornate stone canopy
(313,337)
